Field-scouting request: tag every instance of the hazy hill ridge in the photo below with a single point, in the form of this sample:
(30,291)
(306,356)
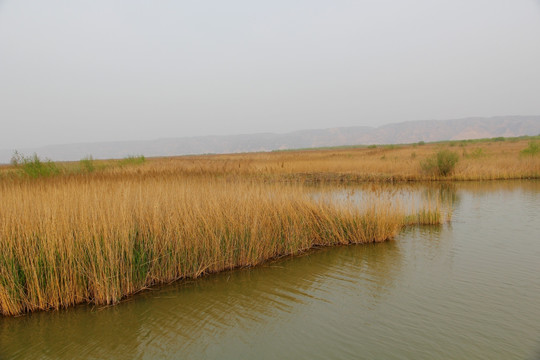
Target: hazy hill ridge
(405,132)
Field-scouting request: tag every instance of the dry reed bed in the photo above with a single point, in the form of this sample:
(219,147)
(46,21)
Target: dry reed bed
(481,160)
(74,239)
(477,161)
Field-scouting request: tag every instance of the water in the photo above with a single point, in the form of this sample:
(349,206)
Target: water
(467,290)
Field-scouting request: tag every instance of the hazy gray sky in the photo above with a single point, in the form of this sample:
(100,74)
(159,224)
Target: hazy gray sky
(73,71)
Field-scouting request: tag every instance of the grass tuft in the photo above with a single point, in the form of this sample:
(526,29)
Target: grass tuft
(33,166)
(132,160)
(87,164)
(532,149)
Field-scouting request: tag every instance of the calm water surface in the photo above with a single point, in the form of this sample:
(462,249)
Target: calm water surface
(466,290)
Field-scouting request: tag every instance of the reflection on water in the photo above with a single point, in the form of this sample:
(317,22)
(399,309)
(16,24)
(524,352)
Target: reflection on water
(410,197)
(465,290)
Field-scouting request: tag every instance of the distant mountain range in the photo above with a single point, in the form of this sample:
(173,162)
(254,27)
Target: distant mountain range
(405,132)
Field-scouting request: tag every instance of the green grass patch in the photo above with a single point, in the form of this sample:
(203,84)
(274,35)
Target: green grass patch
(33,166)
(132,160)
(87,164)
(532,149)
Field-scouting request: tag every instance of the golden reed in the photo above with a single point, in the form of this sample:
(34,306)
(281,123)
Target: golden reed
(99,237)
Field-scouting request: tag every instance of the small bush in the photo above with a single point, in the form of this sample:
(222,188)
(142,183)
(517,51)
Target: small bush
(442,163)
(500,138)
(372,146)
(532,149)
(33,166)
(420,143)
(87,164)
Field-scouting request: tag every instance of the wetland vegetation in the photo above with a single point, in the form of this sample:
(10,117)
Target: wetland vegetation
(99,230)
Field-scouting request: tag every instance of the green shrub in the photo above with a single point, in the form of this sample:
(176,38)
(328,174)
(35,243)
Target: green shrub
(87,164)
(133,160)
(442,163)
(532,149)
(33,166)
(420,143)
(372,146)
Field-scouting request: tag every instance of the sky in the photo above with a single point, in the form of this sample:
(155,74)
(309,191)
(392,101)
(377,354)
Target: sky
(110,70)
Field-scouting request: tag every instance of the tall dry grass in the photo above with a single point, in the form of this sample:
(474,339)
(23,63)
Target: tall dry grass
(482,160)
(477,160)
(97,238)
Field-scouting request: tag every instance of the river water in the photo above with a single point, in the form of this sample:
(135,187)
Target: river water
(465,290)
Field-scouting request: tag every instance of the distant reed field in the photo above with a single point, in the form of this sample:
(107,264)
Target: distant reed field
(484,159)
(490,159)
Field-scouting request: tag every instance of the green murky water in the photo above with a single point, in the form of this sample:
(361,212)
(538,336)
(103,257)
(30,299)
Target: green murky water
(466,290)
